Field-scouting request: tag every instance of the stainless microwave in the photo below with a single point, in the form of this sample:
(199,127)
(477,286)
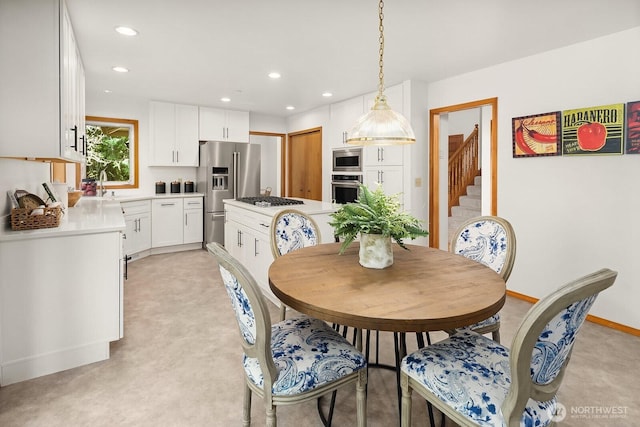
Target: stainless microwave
(347,159)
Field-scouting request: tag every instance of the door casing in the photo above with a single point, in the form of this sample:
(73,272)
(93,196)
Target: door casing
(434,162)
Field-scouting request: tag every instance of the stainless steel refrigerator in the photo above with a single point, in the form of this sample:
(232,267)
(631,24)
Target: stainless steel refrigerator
(227,171)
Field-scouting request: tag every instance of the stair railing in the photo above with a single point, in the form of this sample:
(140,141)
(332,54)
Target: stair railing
(463,168)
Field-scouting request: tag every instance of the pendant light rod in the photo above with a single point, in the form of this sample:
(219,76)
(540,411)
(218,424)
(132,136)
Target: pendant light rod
(381,125)
(381,49)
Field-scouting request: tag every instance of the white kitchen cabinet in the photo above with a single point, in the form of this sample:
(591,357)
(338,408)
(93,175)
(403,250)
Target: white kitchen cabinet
(247,238)
(344,116)
(390,177)
(137,218)
(42,102)
(392,155)
(176,221)
(223,125)
(173,134)
(193,219)
(166,222)
(58,311)
(247,235)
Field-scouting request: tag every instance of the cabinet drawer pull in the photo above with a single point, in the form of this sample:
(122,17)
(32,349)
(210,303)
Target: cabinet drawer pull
(264,225)
(167,204)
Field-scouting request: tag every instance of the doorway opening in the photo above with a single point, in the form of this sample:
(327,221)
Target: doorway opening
(438,165)
(271,160)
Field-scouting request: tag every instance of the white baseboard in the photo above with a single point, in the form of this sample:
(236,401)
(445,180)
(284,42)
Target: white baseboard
(49,363)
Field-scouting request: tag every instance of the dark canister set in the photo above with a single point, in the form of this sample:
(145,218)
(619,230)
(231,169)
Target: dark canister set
(175,187)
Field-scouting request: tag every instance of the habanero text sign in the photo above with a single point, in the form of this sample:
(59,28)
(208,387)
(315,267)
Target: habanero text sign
(595,130)
(607,129)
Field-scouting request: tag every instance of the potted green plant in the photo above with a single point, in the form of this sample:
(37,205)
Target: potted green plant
(377,218)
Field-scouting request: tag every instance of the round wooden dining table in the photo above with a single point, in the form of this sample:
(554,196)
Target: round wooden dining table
(425,289)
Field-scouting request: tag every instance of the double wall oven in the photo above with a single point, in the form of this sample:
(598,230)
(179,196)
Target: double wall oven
(346,175)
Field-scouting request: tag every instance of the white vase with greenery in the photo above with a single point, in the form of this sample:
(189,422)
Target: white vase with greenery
(377,218)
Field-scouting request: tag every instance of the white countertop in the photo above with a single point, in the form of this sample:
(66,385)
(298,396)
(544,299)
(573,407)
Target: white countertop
(134,198)
(310,207)
(91,215)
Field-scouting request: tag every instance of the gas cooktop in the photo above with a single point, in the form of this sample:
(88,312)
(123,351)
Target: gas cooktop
(270,201)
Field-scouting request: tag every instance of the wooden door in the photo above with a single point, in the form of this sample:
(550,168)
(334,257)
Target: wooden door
(305,164)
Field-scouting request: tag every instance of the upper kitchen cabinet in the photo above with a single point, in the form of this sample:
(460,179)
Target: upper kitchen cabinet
(343,117)
(224,125)
(42,103)
(174,134)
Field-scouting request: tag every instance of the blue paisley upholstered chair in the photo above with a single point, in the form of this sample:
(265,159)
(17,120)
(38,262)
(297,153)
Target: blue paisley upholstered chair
(477,382)
(291,230)
(292,361)
(491,241)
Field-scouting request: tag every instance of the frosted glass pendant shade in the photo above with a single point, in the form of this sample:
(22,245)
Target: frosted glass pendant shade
(381,126)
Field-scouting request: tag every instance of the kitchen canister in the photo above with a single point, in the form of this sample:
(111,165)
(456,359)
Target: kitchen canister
(188,187)
(161,188)
(175,187)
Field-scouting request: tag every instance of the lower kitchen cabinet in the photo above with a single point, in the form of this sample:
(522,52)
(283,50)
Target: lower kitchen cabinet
(58,310)
(176,221)
(247,235)
(193,220)
(247,238)
(166,224)
(137,218)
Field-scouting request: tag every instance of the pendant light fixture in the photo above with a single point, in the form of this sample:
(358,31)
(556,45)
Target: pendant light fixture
(381,125)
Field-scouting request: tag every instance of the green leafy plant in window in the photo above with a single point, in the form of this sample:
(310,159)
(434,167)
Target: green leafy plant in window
(108,153)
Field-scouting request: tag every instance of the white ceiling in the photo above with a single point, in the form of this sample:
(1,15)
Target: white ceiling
(197,51)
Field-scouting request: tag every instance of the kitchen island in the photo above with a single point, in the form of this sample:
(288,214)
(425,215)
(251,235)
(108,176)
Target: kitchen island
(61,292)
(247,232)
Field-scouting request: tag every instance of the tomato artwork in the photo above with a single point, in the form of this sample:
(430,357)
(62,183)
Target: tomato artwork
(592,136)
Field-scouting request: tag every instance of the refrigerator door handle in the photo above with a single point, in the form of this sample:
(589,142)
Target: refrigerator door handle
(236,162)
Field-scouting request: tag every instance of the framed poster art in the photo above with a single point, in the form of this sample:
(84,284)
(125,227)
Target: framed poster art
(633,128)
(593,130)
(536,135)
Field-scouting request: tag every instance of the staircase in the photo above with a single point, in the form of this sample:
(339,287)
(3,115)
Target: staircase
(469,206)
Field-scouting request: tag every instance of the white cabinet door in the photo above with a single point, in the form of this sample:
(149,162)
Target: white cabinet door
(193,220)
(174,134)
(186,140)
(166,225)
(137,218)
(390,177)
(43,84)
(223,125)
(343,117)
(238,126)
(211,124)
(163,133)
(391,155)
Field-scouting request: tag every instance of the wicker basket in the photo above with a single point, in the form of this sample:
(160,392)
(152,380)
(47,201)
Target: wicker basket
(21,219)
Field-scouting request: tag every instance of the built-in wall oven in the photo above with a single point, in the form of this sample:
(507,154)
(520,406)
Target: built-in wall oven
(344,187)
(347,159)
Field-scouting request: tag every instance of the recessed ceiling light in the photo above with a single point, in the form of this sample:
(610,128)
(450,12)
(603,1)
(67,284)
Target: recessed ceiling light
(274,75)
(327,94)
(126,31)
(290,107)
(107,91)
(225,99)
(120,69)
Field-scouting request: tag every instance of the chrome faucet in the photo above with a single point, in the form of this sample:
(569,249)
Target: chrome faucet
(103,178)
